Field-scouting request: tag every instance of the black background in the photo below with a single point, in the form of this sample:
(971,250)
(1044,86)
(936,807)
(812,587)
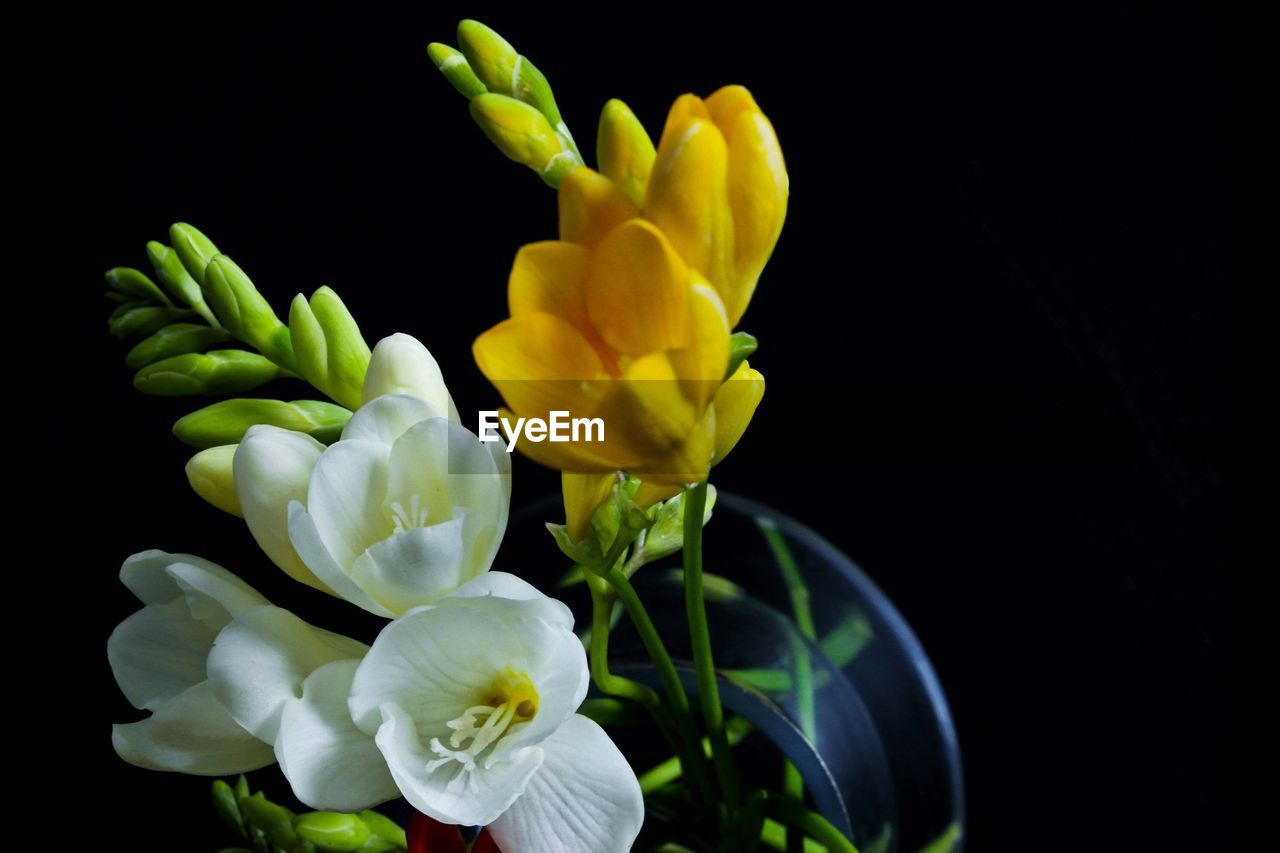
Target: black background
(992,332)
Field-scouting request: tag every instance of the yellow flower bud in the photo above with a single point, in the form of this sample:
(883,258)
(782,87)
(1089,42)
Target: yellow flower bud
(719,190)
(523,134)
(209,473)
(735,404)
(624,151)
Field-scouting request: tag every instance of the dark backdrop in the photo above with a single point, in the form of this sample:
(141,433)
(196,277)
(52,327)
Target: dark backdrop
(992,333)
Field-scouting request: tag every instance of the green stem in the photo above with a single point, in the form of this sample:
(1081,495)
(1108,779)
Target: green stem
(793,814)
(616,685)
(792,783)
(668,771)
(676,696)
(695,502)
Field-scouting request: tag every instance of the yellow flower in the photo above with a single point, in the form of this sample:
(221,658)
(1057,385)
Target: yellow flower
(624,331)
(716,187)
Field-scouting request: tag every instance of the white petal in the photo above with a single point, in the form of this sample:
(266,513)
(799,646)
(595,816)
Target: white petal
(400,364)
(272,467)
(387,418)
(329,762)
(213,595)
(191,734)
(556,663)
(310,546)
(412,568)
(159,652)
(146,575)
(347,498)
(474,802)
(507,586)
(584,798)
(260,661)
(435,662)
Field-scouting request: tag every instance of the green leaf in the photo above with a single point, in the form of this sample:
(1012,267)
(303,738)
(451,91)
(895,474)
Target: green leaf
(741,347)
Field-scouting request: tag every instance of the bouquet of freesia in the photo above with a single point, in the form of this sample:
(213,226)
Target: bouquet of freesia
(481,702)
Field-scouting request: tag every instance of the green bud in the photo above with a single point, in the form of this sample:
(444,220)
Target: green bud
(332,830)
(174,339)
(330,351)
(223,371)
(134,320)
(385,829)
(224,802)
(531,86)
(244,311)
(455,68)
(666,536)
(194,249)
(179,282)
(275,820)
(586,553)
(624,150)
(490,56)
(210,474)
(741,346)
(119,298)
(133,283)
(524,135)
(241,788)
(226,421)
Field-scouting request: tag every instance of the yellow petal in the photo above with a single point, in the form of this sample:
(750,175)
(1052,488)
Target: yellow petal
(649,493)
(734,406)
(710,332)
(688,462)
(540,362)
(726,104)
(579,457)
(591,206)
(583,495)
(685,109)
(638,291)
(758,188)
(688,198)
(647,414)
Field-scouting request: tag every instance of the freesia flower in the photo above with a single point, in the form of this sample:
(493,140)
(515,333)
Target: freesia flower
(717,188)
(404,508)
(625,331)
(160,657)
(472,704)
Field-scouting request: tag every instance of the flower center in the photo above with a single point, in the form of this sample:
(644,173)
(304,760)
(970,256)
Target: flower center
(476,731)
(415,516)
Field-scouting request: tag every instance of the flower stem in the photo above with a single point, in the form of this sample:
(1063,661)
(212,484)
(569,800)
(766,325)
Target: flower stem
(616,685)
(695,502)
(690,750)
(792,814)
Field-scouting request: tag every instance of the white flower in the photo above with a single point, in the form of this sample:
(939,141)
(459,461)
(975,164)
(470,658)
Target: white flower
(161,658)
(471,703)
(405,508)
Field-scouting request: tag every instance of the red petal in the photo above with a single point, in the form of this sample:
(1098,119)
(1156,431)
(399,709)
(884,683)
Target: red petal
(431,836)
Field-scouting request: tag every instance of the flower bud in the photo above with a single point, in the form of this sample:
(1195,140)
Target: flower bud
(735,404)
(194,249)
(624,151)
(741,347)
(244,311)
(209,473)
(275,820)
(223,371)
(226,421)
(224,802)
(523,134)
(177,280)
(174,339)
(330,351)
(455,68)
(332,830)
(134,320)
(384,828)
(133,283)
(490,56)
